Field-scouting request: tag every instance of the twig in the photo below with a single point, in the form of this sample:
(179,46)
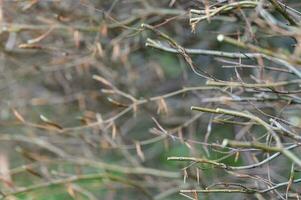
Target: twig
(222,38)
(181,51)
(159,45)
(283,12)
(223,190)
(228,167)
(252,85)
(279,146)
(215,11)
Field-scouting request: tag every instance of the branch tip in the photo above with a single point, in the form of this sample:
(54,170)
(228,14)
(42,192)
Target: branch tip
(225,142)
(220,37)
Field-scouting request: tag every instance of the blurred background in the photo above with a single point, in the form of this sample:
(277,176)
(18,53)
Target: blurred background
(88,111)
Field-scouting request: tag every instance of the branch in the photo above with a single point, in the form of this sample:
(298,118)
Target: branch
(279,147)
(76,178)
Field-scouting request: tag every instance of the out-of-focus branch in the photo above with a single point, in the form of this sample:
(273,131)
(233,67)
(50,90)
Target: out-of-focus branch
(283,12)
(75,178)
